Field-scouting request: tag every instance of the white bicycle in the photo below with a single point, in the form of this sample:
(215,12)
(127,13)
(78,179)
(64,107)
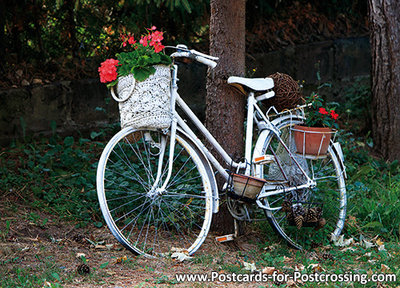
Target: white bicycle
(157,188)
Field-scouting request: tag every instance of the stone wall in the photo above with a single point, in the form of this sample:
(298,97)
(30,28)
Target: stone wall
(81,106)
(338,60)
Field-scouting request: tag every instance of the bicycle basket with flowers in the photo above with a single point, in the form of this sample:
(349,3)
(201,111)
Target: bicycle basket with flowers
(313,137)
(142,79)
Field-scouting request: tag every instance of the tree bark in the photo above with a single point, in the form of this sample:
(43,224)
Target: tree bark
(385,46)
(225,108)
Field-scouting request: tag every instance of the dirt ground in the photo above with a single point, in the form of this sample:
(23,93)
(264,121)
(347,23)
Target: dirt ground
(45,245)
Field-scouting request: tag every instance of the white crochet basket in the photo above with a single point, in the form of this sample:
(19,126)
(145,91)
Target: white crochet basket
(145,104)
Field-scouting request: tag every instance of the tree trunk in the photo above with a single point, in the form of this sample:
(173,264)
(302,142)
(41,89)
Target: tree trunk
(385,46)
(225,107)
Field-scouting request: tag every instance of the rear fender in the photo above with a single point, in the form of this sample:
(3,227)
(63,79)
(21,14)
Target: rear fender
(337,149)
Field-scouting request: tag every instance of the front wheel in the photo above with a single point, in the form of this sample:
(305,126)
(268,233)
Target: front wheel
(306,217)
(146,219)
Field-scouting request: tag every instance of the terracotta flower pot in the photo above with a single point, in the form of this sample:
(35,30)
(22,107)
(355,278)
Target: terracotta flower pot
(312,140)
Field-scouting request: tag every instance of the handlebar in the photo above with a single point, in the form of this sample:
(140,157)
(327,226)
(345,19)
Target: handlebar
(183,51)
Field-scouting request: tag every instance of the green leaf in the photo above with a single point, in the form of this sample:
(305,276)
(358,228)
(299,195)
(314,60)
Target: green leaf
(186,5)
(56,276)
(373,225)
(104,265)
(113,83)
(144,60)
(69,141)
(94,134)
(142,73)
(155,59)
(83,258)
(165,59)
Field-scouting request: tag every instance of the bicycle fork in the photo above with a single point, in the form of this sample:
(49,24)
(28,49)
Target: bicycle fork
(154,191)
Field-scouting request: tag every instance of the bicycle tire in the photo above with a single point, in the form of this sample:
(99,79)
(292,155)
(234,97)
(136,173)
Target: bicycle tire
(329,193)
(154,224)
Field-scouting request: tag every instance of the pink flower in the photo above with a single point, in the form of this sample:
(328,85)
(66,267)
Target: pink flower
(153,28)
(108,70)
(158,47)
(143,41)
(157,36)
(131,40)
(323,111)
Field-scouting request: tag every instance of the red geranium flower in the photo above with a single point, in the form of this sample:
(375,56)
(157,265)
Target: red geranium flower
(108,70)
(334,115)
(323,111)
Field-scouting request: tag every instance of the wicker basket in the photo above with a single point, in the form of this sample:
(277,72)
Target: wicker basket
(145,104)
(287,92)
(247,186)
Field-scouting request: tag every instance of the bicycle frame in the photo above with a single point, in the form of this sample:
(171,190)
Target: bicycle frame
(178,121)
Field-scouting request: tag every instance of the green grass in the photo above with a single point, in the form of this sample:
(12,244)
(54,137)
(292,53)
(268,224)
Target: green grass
(53,175)
(57,175)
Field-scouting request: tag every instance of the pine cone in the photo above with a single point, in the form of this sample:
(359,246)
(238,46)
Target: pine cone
(318,211)
(289,216)
(298,210)
(83,269)
(286,206)
(299,221)
(311,215)
(327,256)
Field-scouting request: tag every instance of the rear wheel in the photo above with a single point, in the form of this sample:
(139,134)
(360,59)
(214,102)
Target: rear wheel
(306,217)
(143,218)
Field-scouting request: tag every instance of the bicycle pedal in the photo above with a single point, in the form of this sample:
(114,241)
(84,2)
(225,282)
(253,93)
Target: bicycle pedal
(264,159)
(225,238)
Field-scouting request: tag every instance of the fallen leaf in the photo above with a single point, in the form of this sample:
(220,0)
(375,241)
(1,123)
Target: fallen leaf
(270,248)
(291,283)
(181,256)
(100,247)
(384,268)
(181,250)
(250,266)
(379,242)
(269,270)
(348,249)
(367,244)
(315,267)
(34,239)
(80,255)
(341,242)
(121,259)
(287,259)
(37,81)
(299,267)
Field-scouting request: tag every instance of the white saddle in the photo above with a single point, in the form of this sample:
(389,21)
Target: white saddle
(255,84)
